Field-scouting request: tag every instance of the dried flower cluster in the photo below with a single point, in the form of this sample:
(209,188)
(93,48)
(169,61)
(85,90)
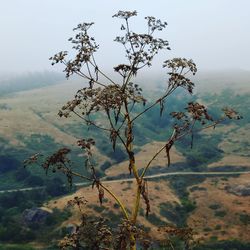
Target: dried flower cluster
(57,160)
(140,48)
(90,234)
(180,67)
(85,46)
(125,14)
(232,114)
(155,24)
(185,234)
(33,159)
(78,202)
(123,234)
(86,145)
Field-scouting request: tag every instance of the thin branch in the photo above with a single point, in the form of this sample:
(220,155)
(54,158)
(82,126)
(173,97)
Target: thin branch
(178,138)
(117,132)
(170,91)
(90,75)
(103,74)
(90,79)
(128,33)
(76,173)
(90,122)
(117,200)
(108,190)
(156,154)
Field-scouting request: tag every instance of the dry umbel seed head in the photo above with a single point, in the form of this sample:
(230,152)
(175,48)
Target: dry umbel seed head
(125,14)
(232,114)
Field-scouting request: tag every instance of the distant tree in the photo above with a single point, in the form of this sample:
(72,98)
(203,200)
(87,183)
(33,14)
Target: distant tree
(34,180)
(55,187)
(8,164)
(116,102)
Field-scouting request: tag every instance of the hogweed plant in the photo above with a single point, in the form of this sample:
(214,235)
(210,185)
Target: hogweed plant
(116,102)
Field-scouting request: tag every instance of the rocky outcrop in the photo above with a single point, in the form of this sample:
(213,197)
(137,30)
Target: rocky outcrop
(35,215)
(240,190)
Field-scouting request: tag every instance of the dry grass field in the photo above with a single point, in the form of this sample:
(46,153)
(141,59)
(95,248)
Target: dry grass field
(219,213)
(159,192)
(144,156)
(35,112)
(231,160)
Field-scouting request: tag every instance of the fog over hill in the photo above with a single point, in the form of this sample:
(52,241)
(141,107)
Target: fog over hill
(218,80)
(205,81)
(20,82)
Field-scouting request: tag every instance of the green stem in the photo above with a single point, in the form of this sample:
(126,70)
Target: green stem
(107,190)
(117,200)
(136,203)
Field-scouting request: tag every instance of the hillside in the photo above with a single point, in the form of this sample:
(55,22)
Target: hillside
(208,214)
(29,124)
(10,83)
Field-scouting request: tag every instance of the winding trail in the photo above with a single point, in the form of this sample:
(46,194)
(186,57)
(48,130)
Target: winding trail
(154,176)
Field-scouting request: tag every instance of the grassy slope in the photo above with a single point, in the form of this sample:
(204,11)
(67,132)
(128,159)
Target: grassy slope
(33,112)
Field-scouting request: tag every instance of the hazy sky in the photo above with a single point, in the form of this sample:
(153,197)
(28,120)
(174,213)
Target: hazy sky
(214,33)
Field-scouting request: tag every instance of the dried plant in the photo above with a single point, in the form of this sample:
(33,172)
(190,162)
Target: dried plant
(116,102)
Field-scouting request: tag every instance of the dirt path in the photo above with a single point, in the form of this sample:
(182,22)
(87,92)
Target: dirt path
(133,179)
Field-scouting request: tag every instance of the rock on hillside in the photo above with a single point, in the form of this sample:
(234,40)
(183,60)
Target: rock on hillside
(240,190)
(35,215)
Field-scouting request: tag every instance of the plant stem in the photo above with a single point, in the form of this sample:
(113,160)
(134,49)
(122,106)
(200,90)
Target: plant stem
(107,190)
(136,203)
(117,200)
(132,242)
